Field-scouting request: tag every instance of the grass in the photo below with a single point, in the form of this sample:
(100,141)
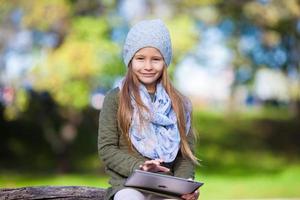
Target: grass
(10,180)
(284,184)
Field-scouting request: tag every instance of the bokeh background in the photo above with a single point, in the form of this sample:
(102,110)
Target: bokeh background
(238,61)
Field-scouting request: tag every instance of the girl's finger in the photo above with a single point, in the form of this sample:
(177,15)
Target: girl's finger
(159,160)
(163,169)
(196,194)
(192,196)
(145,168)
(147,162)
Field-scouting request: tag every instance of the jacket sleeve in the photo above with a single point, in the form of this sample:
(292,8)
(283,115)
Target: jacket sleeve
(184,167)
(120,161)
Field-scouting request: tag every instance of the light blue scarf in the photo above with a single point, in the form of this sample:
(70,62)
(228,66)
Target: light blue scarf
(160,138)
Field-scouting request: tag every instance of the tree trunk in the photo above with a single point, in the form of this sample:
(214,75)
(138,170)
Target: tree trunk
(64,192)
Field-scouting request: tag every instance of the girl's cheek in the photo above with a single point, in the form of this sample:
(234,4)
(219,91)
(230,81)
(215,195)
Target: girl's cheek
(157,64)
(138,65)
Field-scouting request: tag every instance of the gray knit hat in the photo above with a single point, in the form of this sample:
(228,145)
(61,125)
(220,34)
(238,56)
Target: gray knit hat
(148,33)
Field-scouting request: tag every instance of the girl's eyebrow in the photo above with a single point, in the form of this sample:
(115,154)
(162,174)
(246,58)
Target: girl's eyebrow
(139,55)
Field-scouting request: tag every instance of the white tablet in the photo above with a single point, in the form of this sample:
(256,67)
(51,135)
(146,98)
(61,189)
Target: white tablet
(161,184)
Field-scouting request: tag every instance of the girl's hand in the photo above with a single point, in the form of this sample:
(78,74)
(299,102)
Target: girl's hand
(154,166)
(192,196)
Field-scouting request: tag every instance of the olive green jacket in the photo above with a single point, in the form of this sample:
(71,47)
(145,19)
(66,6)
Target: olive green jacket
(113,149)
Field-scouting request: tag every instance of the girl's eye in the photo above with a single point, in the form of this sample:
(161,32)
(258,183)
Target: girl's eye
(156,59)
(140,58)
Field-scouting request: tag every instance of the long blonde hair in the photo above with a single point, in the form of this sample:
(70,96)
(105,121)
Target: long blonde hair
(125,109)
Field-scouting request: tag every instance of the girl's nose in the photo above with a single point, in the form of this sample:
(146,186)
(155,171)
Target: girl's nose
(148,65)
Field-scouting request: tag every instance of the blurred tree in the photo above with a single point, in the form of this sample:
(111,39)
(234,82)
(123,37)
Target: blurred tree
(46,15)
(75,69)
(84,59)
(184,36)
(274,24)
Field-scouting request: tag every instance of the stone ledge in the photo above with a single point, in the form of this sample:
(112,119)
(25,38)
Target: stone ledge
(52,192)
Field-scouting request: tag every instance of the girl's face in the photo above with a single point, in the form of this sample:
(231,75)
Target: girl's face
(147,64)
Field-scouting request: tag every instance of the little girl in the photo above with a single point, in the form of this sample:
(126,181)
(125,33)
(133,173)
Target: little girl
(145,123)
